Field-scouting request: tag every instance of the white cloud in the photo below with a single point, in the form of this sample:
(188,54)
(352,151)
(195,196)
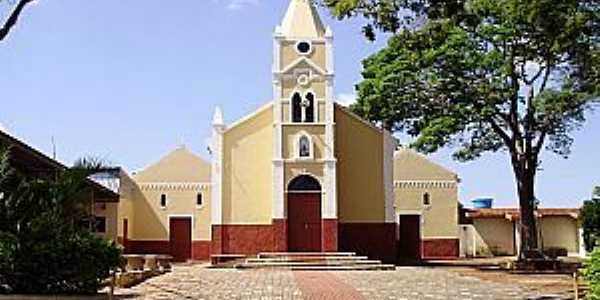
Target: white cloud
(2,127)
(239,4)
(346,99)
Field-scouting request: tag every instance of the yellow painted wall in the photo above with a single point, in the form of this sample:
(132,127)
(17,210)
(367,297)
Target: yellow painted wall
(178,166)
(291,86)
(440,219)
(409,165)
(290,134)
(128,191)
(289,54)
(152,221)
(180,175)
(295,169)
(248,170)
(497,233)
(359,151)
(110,212)
(560,231)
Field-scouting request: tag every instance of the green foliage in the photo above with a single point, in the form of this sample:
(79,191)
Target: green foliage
(592,275)
(482,76)
(43,247)
(590,222)
(493,75)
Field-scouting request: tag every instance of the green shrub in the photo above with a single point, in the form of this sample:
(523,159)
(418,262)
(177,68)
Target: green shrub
(52,262)
(592,274)
(43,249)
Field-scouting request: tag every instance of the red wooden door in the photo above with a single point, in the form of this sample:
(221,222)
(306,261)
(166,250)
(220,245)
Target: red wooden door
(125,236)
(180,238)
(304,222)
(409,247)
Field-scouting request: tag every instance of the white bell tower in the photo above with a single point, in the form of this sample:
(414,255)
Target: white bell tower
(303,93)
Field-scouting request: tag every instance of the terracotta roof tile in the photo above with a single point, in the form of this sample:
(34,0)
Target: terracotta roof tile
(513,213)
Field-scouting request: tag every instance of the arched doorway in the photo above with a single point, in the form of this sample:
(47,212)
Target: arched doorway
(304,214)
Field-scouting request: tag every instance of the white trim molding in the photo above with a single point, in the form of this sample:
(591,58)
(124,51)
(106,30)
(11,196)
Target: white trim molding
(311,146)
(409,212)
(174,186)
(300,60)
(303,93)
(425,184)
(217,174)
(310,45)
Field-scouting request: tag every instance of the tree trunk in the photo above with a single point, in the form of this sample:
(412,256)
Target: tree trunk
(527,201)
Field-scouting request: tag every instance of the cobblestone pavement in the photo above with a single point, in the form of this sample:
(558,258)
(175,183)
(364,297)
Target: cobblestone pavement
(198,282)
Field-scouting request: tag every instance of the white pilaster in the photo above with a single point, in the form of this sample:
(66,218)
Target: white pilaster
(329,120)
(277,38)
(389,147)
(329,205)
(217,168)
(278,208)
(329,48)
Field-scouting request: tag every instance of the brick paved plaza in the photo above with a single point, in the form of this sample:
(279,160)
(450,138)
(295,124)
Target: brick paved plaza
(198,282)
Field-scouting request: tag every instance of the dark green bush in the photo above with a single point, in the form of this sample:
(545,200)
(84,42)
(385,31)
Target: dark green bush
(590,221)
(43,249)
(76,263)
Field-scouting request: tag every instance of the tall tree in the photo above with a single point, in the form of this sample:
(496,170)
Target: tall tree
(483,75)
(13,17)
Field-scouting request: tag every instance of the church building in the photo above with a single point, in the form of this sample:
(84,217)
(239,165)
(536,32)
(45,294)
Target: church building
(302,173)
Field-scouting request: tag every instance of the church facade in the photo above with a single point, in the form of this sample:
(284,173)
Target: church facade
(300,174)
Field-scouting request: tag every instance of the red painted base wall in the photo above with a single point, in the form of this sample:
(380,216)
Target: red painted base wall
(201,250)
(249,239)
(252,239)
(375,240)
(440,248)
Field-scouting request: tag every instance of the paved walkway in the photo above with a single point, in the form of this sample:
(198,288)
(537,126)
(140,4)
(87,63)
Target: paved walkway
(197,282)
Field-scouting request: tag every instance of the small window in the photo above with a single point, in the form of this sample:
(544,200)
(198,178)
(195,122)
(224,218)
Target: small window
(199,200)
(296,108)
(163,200)
(304,147)
(100,224)
(303,47)
(426,199)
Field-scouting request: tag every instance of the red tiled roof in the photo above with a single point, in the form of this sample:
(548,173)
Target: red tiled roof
(513,213)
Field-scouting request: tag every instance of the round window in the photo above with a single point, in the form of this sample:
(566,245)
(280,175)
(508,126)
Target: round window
(303,47)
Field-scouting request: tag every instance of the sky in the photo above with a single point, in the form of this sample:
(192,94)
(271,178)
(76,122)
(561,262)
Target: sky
(130,80)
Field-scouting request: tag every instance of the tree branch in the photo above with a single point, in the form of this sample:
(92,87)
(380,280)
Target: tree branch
(540,142)
(503,135)
(13,18)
